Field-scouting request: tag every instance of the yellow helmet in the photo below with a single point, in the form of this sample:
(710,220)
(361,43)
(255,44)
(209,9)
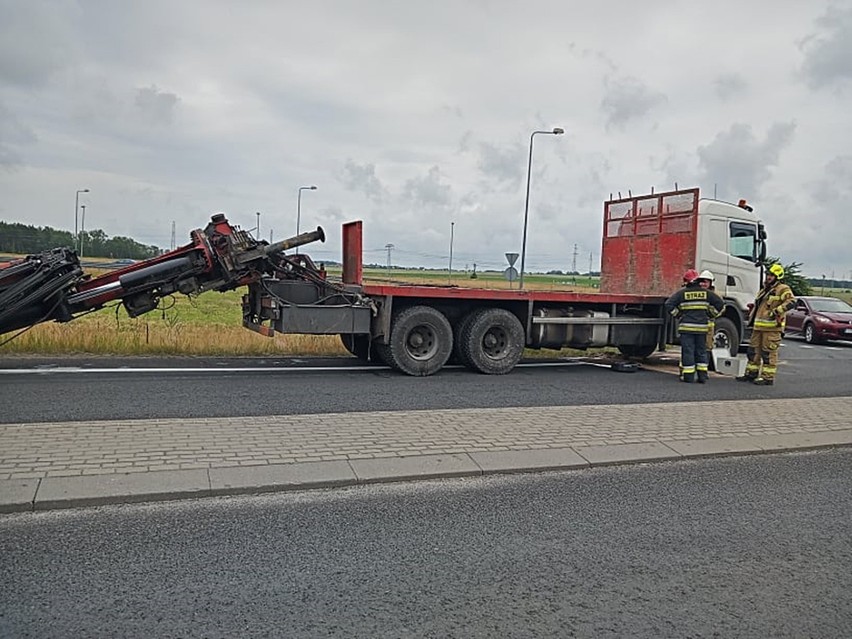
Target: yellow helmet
(777,270)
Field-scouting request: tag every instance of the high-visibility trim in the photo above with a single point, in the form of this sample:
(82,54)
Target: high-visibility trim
(702,368)
(689,370)
(692,328)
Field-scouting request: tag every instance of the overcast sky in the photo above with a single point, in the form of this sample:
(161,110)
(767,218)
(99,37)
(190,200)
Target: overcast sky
(415,115)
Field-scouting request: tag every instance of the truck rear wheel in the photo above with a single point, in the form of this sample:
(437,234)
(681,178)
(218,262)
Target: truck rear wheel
(459,328)
(420,343)
(492,342)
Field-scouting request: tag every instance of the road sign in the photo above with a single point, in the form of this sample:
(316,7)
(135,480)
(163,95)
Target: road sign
(512,258)
(511,273)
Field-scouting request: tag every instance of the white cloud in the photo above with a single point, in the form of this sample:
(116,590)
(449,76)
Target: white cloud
(412,116)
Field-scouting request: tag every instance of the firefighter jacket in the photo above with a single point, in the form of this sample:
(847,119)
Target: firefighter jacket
(695,306)
(769,312)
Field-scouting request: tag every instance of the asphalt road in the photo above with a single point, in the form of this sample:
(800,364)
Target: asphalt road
(734,547)
(71,389)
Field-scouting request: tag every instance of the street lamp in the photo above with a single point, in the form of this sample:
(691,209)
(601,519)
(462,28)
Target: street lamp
(555,131)
(77,210)
(82,228)
(299,208)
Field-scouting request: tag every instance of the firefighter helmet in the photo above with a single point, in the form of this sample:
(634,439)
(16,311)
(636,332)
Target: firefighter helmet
(690,276)
(777,270)
(707,275)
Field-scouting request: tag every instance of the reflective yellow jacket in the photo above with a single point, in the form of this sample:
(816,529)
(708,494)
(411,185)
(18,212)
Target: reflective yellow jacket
(769,312)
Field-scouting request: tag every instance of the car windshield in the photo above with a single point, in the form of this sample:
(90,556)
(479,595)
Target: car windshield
(831,305)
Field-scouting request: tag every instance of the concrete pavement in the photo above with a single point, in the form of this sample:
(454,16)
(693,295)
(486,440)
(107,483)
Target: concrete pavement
(72,464)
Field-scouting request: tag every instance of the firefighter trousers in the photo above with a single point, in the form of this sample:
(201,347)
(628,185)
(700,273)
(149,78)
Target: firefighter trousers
(763,354)
(693,355)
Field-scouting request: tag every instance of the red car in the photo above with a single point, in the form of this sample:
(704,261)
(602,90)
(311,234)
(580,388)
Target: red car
(819,319)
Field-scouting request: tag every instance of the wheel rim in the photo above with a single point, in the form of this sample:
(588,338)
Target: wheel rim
(722,340)
(421,343)
(494,343)
(809,333)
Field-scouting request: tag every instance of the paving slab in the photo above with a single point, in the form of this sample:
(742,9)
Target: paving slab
(626,453)
(274,477)
(715,446)
(17,495)
(420,467)
(513,461)
(94,490)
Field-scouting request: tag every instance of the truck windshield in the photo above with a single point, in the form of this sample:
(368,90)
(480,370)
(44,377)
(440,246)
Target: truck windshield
(742,242)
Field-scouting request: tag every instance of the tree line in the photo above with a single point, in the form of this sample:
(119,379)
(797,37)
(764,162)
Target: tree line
(27,240)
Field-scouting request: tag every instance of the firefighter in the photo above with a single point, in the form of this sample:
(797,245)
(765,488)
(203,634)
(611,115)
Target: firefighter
(694,305)
(768,317)
(706,280)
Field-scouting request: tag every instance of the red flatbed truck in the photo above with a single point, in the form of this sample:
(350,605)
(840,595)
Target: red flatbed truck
(648,243)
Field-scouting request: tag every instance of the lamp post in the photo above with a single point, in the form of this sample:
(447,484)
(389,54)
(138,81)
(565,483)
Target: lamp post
(555,131)
(76,211)
(299,208)
(82,228)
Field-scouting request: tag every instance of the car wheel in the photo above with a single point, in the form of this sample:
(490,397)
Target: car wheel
(810,334)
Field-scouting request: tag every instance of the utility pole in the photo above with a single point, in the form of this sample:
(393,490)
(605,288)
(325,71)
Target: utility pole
(257,229)
(590,264)
(574,261)
(450,271)
(389,247)
(172,245)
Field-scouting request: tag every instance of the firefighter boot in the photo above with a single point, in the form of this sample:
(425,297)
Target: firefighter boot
(688,378)
(763,381)
(702,377)
(746,378)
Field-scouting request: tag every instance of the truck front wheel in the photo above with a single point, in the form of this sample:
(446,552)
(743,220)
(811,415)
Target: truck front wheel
(492,341)
(420,343)
(726,336)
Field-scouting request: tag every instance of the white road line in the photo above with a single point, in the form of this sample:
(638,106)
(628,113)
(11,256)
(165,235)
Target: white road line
(264,369)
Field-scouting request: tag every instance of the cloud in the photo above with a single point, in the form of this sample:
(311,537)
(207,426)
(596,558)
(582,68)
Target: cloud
(729,85)
(155,106)
(739,162)
(503,165)
(628,99)
(828,56)
(428,190)
(362,178)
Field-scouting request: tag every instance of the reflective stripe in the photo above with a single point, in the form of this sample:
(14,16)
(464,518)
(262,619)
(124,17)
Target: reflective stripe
(688,370)
(702,368)
(692,328)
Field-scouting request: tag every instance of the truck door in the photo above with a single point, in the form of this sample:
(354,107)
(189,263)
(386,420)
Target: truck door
(743,279)
(713,251)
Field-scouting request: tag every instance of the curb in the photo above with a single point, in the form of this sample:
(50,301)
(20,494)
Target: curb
(54,493)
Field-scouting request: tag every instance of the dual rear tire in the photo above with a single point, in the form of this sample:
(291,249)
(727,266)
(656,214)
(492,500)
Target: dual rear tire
(421,341)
